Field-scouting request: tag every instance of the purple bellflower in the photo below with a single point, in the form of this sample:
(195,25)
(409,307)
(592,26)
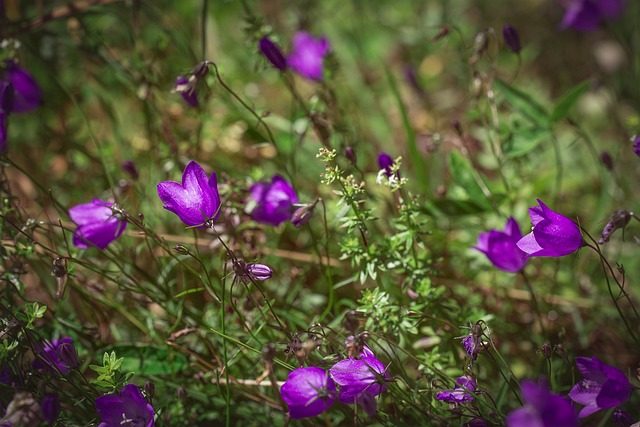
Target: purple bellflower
(501,247)
(308,392)
(384,163)
(27,95)
(360,380)
(129,408)
(272,52)
(542,408)
(186,85)
(602,387)
(98,224)
(636,144)
(259,271)
(587,15)
(196,200)
(50,407)
(56,356)
(552,235)
(511,38)
(307,55)
(463,392)
(273,202)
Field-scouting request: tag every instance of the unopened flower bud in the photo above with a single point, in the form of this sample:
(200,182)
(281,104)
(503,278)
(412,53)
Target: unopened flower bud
(607,160)
(546,350)
(444,31)
(350,153)
(303,214)
(511,38)
(50,407)
(259,271)
(149,388)
(618,219)
(457,127)
(68,354)
(622,418)
(273,53)
(182,250)
(130,167)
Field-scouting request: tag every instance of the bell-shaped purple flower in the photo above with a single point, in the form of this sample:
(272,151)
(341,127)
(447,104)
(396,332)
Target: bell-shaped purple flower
(358,376)
(463,392)
(511,38)
(56,356)
(501,247)
(552,234)
(308,392)
(273,202)
(128,408)
(602,387)
(27,93)
(636,144)
(196,200)
(273,53)
(98,224)
(587,15)
(50,407)
(542,408)
(384,163)
(307,55)
(186,87)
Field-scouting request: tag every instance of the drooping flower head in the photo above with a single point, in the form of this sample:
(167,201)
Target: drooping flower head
(307,55)
(56,356)
(128,408)
(462,392)
(542,408)
(272,202)
(636,144)
(98,224)
(511,38)
(501,247)
(196,200)
(186,85)
(552,234)
(27,95)
(308,392)
(360,380)
(602,387)
(587,15)
(384,163)
(272,52)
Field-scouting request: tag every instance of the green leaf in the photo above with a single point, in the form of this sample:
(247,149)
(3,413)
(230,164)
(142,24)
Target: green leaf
(564,104)
(523,141)
(151,360)
(464,176)
(523,103)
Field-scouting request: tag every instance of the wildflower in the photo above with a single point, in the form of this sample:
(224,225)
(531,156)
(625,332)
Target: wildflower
(622,418)
(501,247)
(259,271)
(98,224)
(57,355)
(50,407)
(185,85)
(360,380)
(636,144)
(272,202)
(273,53)
(7,96)
(128,408)
(196,200)
(602,387)
(384,163)
(303,214)
(307,55)
(511,38)
(542,408)
(587,15)
(308,392)
(461,393)
(552,234)
(618,219)
(27,95)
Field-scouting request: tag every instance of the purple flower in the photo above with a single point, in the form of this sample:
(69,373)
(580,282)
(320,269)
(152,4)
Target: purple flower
(602,387)
(636,144)
(50,407)
(463,392)
(501,247)
(273,201)
(384,163)
(7,95)
(98,224)
(27,93)
(542,408)
(622,418)
(471,345)
(587,15)
(196,200)
(552,234)
(259,271)
(57,355)
(307,55)
(360,380)
(303,214)
(273,53)
(511,38)
(308,392)
(185,86)
(129,408)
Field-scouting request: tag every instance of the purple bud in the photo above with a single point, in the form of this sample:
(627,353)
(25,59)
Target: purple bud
(457,127)
(607,160)
(546,350)
(186,86)
(259,271)
(511,38)
(68,354)
(385,162)
(350,153)
(618,219)
(130,167)
(149,388)
(622,418)
(7,96)
(636,144)
(303,214)
(273,53)
(50,407)
(27,93)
